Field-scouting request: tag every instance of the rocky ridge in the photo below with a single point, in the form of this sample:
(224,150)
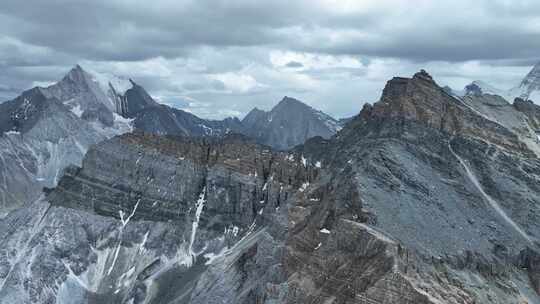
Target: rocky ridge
(431,187)
(145,213)
(421,198)
(46,129)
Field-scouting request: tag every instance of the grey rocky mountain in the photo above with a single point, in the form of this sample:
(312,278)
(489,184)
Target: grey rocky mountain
(529,88)
(288,124)
(45,129)
(421,198)
(151,219)
(152,117)
(445,215)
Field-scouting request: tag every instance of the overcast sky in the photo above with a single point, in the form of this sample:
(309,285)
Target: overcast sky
(218,58)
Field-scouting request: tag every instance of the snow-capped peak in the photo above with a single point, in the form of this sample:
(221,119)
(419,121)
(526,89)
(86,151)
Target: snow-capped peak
(532,80)
(105,80)
(529,88)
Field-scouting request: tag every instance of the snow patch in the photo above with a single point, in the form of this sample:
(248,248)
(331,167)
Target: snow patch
(120,84)
(77,110)
(12,133)
(304,187)
(126,221)
(195,226)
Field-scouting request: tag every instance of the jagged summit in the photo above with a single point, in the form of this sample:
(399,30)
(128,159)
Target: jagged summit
(76,69)
(46,129)
(416,98)
(134,100)
(419,101)
(290,102)
(77,75)
(424,75)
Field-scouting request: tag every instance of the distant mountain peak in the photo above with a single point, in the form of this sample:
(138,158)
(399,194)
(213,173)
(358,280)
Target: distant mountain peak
(289,123)
(287,99)
(288,102)
(77,74)
(532,80)
(529,87)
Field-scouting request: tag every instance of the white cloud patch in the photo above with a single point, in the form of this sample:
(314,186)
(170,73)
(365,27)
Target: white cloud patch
(237,83)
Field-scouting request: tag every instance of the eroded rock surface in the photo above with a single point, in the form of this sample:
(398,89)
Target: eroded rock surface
(421,198)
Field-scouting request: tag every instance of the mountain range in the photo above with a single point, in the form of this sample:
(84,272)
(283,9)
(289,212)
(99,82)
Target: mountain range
(46,129)
(527,89)
(426,196)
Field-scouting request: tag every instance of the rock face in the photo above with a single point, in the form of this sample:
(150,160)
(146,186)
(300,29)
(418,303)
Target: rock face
(421,198)
(46,129)
(430,185)
(531,111)
(151,219)
(288,124)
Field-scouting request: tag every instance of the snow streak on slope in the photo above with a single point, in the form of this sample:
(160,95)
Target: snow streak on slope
(120,234)
(488,198)
(195,225)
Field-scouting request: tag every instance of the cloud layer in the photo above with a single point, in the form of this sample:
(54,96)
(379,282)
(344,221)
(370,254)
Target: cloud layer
(218,58)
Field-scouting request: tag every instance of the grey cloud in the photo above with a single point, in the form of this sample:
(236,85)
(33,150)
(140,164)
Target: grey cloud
(294,64)
(127,31)
(183,49)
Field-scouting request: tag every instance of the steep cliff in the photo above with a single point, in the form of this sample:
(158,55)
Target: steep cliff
(421,198)
(157,220)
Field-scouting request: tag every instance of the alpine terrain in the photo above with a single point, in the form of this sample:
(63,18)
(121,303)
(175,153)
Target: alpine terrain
(424,197)
(46,129)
